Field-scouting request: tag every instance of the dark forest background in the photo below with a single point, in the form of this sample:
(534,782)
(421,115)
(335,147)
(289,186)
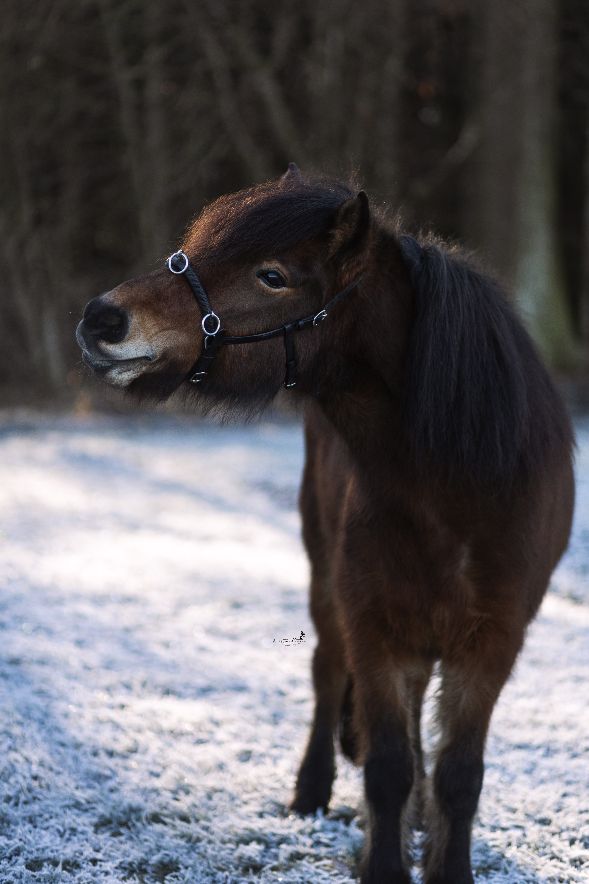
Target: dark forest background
(120,118)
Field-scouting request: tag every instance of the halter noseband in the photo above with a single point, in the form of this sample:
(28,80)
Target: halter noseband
(214,338)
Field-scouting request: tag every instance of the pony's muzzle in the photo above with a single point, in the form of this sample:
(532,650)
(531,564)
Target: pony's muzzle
(104,322)
(109,345)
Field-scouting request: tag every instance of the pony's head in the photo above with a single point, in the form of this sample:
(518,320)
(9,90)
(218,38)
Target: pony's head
(266,256)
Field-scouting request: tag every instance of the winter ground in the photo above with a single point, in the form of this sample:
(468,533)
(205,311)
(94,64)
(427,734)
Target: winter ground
(151,715)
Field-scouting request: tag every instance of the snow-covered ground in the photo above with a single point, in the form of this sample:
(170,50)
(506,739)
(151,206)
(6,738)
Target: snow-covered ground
(151,715)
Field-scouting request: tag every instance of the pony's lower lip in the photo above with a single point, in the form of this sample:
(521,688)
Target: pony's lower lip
(101,365)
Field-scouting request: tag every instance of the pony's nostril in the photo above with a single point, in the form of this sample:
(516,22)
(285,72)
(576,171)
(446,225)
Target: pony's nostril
(105,322)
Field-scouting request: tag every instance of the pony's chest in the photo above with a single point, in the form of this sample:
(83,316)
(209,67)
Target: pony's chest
(412,581)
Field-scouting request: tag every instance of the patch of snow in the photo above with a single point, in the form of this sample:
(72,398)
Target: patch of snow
(152,715)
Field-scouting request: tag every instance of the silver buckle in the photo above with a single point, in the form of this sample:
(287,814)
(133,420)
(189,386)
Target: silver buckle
(319,317)
(179,253)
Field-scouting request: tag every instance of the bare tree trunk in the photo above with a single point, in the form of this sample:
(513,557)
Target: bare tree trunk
(250,153)
(156,155)
(539,281)
(378,120)
(492,206)
(129,118)
(514,210)
(584,294)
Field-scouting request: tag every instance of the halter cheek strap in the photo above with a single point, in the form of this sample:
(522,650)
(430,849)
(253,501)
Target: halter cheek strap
(214,337)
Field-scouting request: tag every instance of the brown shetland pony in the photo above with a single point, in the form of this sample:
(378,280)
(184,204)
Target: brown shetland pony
(437,493)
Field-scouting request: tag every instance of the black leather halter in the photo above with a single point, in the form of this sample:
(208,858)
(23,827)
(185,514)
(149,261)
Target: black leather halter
(214,337)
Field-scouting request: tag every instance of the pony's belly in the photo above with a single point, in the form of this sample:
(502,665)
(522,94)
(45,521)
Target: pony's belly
(451,621)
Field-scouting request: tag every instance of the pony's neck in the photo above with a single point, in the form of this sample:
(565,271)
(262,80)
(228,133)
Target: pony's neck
(363,396)
(445,372)
(386,309)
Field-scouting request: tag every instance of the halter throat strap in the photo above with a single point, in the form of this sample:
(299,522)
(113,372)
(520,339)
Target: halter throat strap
(215,338)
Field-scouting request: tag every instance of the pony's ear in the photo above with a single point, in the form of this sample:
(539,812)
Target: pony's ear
(293,173)
(350,230)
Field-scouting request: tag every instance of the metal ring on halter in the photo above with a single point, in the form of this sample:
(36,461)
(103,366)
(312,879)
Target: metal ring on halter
(186,262)
(319,317)
(210,315)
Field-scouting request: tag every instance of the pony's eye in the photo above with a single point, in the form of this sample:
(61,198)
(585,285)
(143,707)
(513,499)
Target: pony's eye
(272,278)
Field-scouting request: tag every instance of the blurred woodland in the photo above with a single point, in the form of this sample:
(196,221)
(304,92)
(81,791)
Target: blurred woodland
(120,118)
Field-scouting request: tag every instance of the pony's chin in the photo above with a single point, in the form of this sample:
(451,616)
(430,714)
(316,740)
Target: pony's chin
(121,375)
(116,372)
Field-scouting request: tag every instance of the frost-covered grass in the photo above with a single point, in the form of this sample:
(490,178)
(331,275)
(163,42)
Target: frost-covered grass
(151,718)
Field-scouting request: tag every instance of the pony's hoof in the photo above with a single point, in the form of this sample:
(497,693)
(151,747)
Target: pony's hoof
(374,877)
(306,804)
(467,878)
(313,786)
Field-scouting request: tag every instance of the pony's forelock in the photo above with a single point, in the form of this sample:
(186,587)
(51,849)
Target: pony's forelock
(265,219)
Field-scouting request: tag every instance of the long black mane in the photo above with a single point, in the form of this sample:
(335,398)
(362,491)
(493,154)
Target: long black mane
(479,402)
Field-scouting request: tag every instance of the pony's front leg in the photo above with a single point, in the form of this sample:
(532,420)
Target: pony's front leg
(388,767)
(317,770)
(468,695)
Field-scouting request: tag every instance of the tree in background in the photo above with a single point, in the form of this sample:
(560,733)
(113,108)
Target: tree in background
(120,118)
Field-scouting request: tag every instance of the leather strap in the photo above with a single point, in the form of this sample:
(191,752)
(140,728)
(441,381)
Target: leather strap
(290,377)
(200,369)
(198,290)
(179,264)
